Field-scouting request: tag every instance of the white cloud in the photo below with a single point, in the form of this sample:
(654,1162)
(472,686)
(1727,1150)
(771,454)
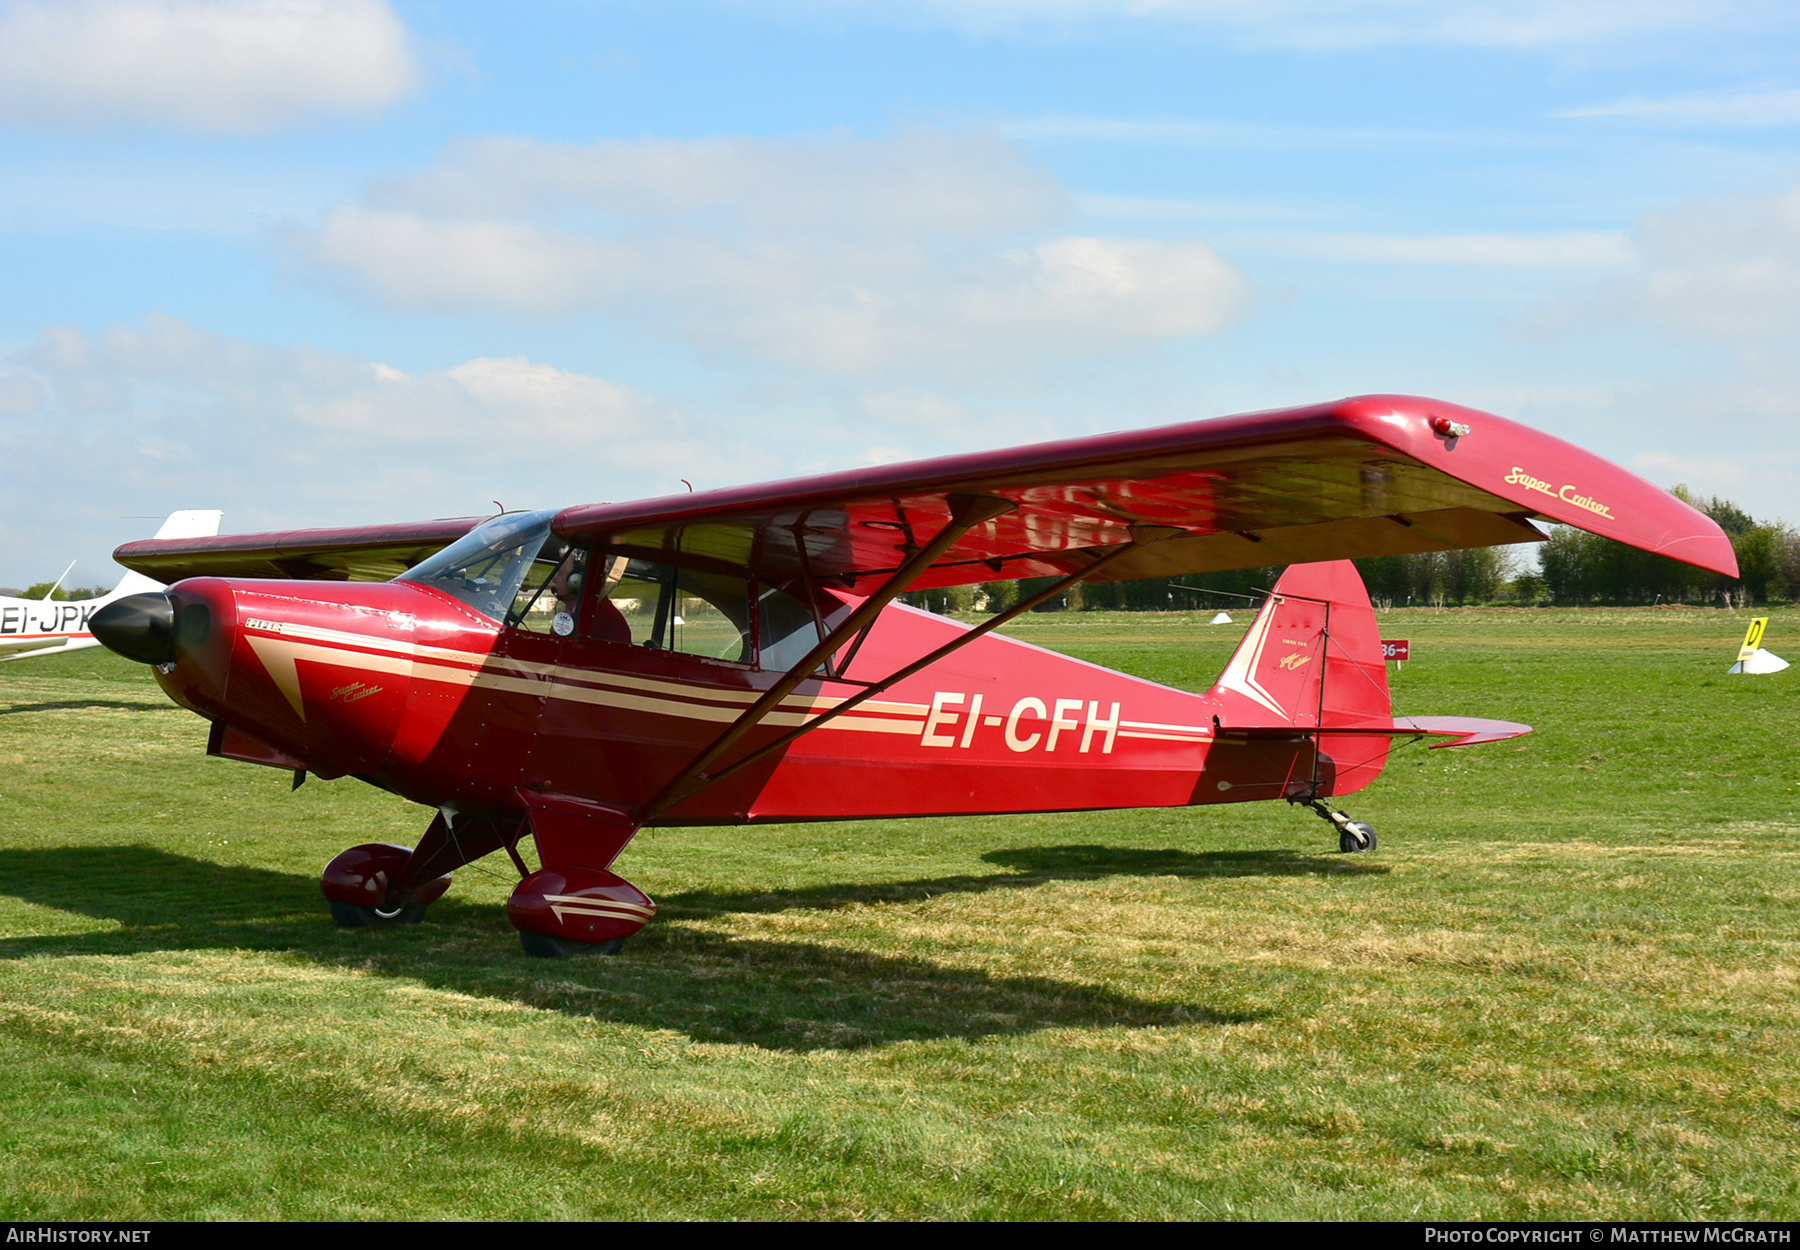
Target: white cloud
(956,186)
(1704,109)
(19,394)
(1326,24)
(1727,269)
(1745,478)
(164,414)
(430,265)
(207,65)
(830,254)
(510,405)
(1575,249)
(1143,208)
(1074,288)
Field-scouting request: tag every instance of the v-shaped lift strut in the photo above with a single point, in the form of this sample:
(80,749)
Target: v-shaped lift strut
(966,512)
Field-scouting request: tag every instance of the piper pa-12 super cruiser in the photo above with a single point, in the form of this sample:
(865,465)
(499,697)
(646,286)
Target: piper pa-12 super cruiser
(738,655)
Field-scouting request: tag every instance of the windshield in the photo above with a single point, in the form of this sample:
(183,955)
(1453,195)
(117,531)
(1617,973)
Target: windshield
(485,567)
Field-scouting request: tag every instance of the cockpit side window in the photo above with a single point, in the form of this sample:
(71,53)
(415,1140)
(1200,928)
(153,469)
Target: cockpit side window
(549,597)
(646,604)
(486,567)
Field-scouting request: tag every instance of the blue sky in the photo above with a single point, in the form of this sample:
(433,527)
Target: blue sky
(329,261)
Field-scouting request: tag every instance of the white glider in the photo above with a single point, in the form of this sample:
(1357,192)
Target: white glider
(33,627)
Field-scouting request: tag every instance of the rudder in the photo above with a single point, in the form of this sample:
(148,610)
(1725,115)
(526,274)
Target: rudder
(1310,661)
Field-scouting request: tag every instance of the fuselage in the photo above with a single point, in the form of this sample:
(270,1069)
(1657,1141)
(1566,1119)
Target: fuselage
(415,691)
(29,626)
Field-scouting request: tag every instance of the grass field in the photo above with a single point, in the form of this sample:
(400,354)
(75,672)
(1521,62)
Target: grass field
(1565,986)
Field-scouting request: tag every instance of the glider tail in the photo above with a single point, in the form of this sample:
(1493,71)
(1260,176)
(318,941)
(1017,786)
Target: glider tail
(1311,662)
(192,523)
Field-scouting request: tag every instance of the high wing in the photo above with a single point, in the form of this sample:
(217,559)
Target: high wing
(368,553)
(1370,476)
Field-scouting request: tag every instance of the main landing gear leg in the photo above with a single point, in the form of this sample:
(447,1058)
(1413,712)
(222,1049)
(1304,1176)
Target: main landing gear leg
(1353,835)
(569,906)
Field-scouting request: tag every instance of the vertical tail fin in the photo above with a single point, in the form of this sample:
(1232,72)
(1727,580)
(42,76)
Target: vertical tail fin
(1311,661)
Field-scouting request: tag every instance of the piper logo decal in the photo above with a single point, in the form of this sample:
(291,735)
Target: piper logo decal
(1568,494)
(1295,662)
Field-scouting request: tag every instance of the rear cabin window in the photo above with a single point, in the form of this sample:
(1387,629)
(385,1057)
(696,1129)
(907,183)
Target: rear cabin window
(786,627)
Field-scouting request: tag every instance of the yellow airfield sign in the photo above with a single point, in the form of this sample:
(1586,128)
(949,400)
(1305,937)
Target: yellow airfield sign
(1753,638)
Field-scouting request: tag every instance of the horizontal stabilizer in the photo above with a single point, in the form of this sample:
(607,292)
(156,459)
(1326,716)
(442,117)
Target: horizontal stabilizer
(1463,731)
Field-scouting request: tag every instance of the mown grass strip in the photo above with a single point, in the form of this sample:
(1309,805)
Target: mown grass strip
(1567,986)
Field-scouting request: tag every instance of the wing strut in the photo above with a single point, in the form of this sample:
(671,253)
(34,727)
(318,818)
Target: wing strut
(966,512)
(1140,534)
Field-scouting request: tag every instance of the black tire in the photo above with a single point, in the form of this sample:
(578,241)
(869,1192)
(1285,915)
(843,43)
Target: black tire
(549,946)
(354,916)
(1350,844)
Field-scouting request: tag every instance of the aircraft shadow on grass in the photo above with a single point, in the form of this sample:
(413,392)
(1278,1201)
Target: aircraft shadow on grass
(77,705)
(1032,866)
(784,995)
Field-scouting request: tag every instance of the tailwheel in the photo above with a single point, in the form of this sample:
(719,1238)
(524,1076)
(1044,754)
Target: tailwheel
(549,946)
(1354,836)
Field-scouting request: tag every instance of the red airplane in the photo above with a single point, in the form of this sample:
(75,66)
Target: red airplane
(738,655)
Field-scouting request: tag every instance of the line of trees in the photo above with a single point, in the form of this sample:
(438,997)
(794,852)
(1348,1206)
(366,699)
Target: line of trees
(1573,568)
(1577,567)
(38,591)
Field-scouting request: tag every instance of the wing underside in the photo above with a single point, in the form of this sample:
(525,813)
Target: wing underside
(1380,475)
(1374,476)
(369,553)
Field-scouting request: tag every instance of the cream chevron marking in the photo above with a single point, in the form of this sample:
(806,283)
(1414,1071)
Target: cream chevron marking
(531,668)
(448,658)
(1240,674)
(563,905)
(279,657)
(1204,731)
